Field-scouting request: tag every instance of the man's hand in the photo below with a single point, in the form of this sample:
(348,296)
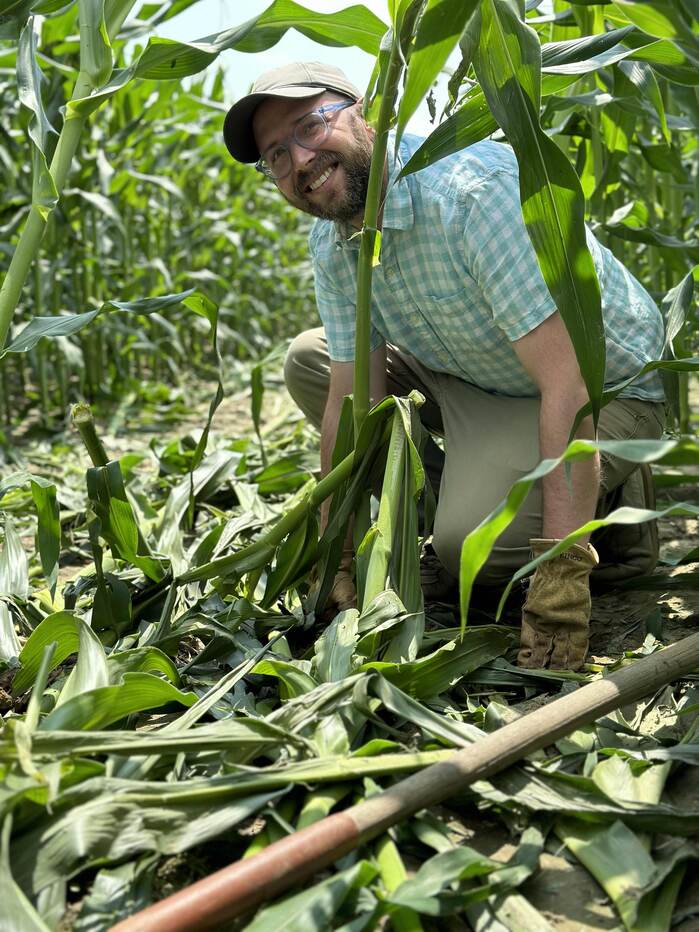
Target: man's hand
(556,614)
(343,594)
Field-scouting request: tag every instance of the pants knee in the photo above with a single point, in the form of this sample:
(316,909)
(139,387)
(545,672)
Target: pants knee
(307,373)
(510,552)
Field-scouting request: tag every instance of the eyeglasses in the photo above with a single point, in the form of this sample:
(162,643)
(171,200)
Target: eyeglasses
(311,131)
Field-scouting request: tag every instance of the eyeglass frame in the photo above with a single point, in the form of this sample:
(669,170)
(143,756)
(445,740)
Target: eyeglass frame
(321,111)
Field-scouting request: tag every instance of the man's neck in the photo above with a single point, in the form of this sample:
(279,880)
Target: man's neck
(357,222)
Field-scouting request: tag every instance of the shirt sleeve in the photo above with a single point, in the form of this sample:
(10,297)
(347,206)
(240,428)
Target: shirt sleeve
(338,314)
(501,258)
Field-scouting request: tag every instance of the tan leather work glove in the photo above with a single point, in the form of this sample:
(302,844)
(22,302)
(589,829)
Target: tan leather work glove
(556,614)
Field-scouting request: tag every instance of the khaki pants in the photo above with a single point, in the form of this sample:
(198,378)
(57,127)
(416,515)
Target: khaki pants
(490,441)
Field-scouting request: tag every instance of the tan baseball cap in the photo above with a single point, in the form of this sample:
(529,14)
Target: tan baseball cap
(297,80)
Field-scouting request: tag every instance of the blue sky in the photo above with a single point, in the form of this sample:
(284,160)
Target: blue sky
(211,16)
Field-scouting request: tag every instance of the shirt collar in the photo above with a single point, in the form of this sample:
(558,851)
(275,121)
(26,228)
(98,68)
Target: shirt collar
(398,209)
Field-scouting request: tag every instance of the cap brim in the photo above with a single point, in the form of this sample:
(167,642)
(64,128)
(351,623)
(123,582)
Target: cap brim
(237,127)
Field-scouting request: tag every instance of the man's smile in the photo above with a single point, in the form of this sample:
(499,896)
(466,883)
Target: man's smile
(321,179)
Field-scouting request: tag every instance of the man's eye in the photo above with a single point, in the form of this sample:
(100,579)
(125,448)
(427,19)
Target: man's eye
(276,155)
(310,128)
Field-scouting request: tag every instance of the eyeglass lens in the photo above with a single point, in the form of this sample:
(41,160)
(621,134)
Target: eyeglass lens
(310,132)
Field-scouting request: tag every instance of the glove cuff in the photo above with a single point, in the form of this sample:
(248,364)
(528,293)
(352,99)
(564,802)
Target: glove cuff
(575,552)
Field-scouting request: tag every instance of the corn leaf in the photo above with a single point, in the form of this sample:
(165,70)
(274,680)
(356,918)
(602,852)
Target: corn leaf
(100,707)
(315,907)
(439,27)
(508,64)
(428,676)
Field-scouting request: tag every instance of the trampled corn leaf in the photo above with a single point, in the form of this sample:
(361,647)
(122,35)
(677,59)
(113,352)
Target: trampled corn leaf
(335,647)
(141,660)
(428,891)
(437,672)
(61,627)
(17,911)
(107,827)
(14,566)
(116,893)
(315,907)
(642,890)
(537,791)
(225,735)
(90,671)
(98,708)
(10,647)
(293,681)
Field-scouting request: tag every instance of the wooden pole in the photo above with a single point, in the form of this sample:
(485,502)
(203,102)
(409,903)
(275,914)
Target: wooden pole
(243,886)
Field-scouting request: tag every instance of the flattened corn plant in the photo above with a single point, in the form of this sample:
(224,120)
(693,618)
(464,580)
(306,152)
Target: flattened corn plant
(182,687)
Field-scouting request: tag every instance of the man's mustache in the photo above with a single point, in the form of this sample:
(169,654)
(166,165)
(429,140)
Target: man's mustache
(322,161)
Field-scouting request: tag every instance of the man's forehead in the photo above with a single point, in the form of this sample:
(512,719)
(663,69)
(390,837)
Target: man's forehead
(276,115)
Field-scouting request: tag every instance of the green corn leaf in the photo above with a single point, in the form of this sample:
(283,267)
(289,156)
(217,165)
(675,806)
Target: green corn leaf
(118,526)
(102,203)
(657,18)
(472,122)
(508,63)
(165,59)
(48,530)
(68,324)
(633,234)
(95,49)
(141,660)
(583,48)
(63,628)
(479,542)
(429,891)
(618,859)
(14,567)
(316,906)
(293,681)
(116,894)
(98,708)
(29,81)
(437,672)
(18,912)
(110,827)
(320,803)
(641,75)
(439,27)
(228,735)
(90,671)
(335,647)
(10,646)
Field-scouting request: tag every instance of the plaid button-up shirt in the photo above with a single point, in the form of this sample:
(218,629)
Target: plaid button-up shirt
(459,280)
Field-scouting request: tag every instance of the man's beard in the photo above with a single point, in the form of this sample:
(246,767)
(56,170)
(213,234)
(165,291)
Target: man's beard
(351,201)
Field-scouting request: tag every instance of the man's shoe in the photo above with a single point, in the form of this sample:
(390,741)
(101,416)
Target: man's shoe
(627,550)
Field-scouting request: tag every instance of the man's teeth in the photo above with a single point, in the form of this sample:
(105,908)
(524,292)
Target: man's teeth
(321,178)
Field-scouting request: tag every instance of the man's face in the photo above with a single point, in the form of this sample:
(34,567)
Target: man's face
(346,153)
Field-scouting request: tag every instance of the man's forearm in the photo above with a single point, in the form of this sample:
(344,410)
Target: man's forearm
(328,435)
(568,503)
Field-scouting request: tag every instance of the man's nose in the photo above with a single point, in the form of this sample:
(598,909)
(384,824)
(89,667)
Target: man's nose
(300,155)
